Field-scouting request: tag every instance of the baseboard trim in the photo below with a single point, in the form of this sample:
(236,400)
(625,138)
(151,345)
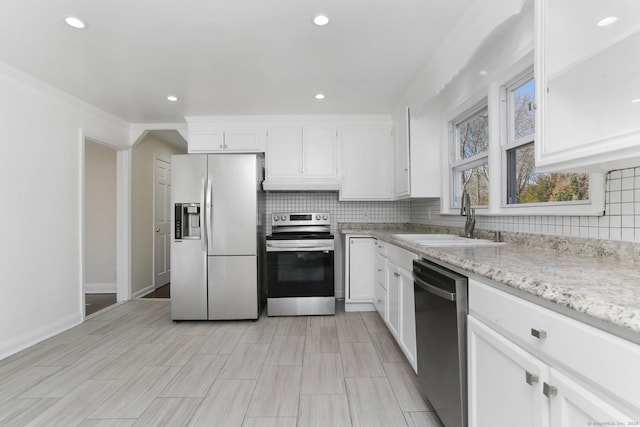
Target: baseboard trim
(100,288)
(142,292)
(27,340)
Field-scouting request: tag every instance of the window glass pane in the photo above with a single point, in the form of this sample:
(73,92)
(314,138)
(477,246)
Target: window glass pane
(524,118)
(528,186)
(476,182)
(473,135)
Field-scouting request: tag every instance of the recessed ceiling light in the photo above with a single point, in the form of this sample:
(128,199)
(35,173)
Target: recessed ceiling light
(321,20)
(172,98)
(607,21)
(74,22)
(635,101)
(319,96)
(483,72)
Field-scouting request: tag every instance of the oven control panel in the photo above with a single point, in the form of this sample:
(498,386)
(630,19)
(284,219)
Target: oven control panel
(300,219)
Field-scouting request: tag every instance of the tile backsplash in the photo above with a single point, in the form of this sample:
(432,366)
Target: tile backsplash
(621,221)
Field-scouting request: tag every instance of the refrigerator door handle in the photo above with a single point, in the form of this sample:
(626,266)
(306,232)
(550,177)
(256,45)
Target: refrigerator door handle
(208,213)
(203,240)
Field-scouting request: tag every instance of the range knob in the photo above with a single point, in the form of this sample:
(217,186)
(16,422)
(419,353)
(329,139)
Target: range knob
(276,218)
(317,217)
(282,217)
(325,217)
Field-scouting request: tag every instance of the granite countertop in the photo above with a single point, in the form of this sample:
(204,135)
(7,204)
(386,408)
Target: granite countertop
(604,289)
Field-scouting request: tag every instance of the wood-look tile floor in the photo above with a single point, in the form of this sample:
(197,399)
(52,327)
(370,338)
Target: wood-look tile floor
(132,366)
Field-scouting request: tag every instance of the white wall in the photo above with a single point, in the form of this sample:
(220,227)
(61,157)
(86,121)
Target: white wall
(40,188)
(142,186)
(99,218)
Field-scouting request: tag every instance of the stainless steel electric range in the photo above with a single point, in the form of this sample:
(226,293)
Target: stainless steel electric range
(300,267)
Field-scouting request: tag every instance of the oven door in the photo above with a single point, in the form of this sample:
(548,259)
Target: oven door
(301,268)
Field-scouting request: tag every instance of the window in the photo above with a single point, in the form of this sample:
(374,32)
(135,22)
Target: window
(469,166)
(524,185)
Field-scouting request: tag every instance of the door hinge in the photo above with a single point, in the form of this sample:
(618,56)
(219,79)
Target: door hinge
(549,390)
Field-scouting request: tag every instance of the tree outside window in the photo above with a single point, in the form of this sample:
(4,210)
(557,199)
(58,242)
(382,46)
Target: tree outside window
(471,170)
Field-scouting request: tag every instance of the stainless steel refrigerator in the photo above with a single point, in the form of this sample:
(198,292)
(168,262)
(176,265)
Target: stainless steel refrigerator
(216,236)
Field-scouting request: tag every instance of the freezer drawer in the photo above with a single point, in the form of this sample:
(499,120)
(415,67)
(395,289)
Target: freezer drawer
(233,287)
(188,281)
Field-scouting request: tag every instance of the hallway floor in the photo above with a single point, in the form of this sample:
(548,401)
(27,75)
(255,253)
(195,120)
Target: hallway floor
(96,302)
(131,365)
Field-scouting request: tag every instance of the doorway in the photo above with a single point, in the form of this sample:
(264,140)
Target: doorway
(151,212)
(100,169)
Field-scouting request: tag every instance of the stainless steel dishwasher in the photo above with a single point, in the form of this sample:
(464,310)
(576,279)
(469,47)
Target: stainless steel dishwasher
(441,330)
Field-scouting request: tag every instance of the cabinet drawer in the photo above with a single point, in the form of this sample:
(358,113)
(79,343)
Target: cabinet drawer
(401,257)
(602,358)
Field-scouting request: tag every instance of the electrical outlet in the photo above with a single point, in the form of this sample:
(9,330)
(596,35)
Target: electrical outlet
(365,214)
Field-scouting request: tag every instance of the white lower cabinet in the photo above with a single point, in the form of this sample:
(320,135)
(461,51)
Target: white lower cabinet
(572,404)
(393,299)
(530,366)
(359,278)
(401,311)
(505,382)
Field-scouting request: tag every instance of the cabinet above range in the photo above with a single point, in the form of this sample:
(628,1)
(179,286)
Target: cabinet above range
(352,154)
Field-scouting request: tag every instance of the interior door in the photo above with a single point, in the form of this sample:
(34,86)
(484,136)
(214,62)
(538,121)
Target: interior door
(162,221)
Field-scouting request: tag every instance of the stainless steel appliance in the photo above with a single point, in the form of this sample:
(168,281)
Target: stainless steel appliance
(441,311)
(216,236)
(300,273)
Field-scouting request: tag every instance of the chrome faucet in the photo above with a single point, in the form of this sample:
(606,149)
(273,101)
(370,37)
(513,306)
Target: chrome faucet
(469,212)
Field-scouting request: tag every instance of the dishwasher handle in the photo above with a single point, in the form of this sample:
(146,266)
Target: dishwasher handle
(449,296)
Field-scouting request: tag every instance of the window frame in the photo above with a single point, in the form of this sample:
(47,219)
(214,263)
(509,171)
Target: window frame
(593,206)
(456,164)
(491,93)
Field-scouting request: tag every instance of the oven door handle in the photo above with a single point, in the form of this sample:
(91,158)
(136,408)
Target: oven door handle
(449,296)
(299,246)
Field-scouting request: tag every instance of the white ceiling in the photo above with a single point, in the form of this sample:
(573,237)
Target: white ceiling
(227,57)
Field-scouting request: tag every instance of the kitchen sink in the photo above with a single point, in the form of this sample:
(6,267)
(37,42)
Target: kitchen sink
(444,240)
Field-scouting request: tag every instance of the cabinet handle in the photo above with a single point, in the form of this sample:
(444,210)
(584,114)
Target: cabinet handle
(539,333)
(531,378)
(396,274)
(549,390)
(379,269)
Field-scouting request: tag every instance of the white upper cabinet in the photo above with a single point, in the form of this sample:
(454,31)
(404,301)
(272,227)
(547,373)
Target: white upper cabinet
(224,134)
(319,153)
(284,148)
(589,97)
(418,150)
(402,158)
(367,161)
(302,156)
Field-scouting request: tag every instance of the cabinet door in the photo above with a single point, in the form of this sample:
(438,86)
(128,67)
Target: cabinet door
(241,139)
(393,299)
(366,162)
(361,274)
(208,141)
(502,388)
(403,138)
(319,152)
(284,153)
(603,59)
(574,405)
(407,317)
(380,300)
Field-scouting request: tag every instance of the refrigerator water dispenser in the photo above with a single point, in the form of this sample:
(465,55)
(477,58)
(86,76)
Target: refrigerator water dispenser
(187,221)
